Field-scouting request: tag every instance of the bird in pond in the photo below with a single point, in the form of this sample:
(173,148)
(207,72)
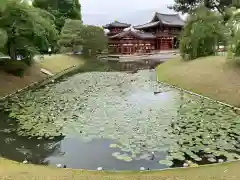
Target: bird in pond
(152,156)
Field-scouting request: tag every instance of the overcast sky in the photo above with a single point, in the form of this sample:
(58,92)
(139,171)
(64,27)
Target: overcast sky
(101,12)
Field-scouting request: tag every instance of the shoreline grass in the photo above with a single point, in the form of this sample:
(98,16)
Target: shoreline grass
(209,76)
(17,171)
(55,63)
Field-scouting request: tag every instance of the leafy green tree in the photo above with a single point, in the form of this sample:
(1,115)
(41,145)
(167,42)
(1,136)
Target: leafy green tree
(91,38)
(94,39)
(3,33)
(28,29)
(187,6)
(233,26)
(202,33)
(61,9)
(71,34)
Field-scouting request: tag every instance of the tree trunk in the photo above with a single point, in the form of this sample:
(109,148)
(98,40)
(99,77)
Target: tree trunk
(11,50)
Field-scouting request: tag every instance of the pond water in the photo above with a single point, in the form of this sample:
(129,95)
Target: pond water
(116,120)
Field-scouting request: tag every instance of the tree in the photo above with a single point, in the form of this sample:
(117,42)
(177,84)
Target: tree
(28,29)
(94,39)
(91,38)
(233,26)
(203,31)
(61,9)
(71,34)
(187,6)
(3,33)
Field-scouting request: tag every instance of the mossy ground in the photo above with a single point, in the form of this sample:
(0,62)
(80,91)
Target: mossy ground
(209,76)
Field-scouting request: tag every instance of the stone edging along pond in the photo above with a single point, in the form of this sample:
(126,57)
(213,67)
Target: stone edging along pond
(42,82)
(196,94)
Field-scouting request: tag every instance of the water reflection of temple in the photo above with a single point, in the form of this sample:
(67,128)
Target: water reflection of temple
(161,33)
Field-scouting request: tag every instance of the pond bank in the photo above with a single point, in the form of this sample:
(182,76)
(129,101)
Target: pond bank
(209,76)
(57,64)
(17,171)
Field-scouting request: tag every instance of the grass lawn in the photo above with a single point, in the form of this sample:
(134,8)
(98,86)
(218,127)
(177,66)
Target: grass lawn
(15,171)
(59,62)
(209,76)
(54,64)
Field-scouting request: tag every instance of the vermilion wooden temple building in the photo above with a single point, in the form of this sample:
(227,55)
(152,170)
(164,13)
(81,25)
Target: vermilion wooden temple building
(159,34)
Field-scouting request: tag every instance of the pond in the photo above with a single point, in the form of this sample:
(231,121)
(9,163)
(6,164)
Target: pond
(118,121)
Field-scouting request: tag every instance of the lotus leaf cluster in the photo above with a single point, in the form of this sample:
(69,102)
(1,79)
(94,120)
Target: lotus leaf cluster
(135,111)
(204,131)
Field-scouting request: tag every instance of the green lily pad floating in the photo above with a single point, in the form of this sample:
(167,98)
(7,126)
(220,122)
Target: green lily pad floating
(115,154)
(213,160)
(178,156)
(113,145)
(170,158)
(207,150)
(166,162)
(123,157)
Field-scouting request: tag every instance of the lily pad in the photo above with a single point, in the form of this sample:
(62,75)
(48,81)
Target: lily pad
(113,145)
(166,162)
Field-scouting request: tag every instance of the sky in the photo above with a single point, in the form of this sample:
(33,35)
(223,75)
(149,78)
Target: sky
(101,12)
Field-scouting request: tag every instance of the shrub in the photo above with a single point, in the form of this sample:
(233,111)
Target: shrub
(15,67)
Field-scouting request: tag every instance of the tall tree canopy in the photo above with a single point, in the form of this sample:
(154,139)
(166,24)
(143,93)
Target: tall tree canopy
(94,39)
(90,38)
(25,29)
(186,6)
(61,9)
(203,31)
(3,33)
(71,34)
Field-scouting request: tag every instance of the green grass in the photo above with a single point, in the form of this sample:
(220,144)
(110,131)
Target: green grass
(17,171)
(59,62)
(55,63)
(209,76)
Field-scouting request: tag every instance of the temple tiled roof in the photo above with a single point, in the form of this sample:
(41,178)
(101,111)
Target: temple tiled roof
(147,25)
(167,19)
(117,24)
(140,35)
(171,19)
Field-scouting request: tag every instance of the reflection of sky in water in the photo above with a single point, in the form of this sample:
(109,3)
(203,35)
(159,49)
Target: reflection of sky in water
(97,153)
(146,98)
